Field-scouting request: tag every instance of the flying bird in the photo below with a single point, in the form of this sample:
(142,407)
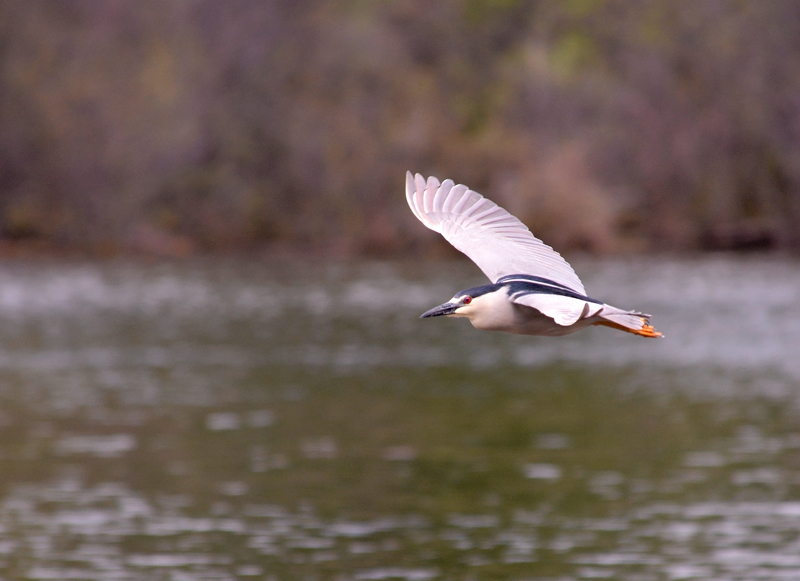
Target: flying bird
(533,290)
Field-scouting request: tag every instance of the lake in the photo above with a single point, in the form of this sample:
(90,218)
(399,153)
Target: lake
(251,419)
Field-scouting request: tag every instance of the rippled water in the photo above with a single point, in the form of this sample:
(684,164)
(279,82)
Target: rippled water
(264,420)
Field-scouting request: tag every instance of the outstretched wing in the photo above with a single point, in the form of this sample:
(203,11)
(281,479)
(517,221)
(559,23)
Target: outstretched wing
(493,239)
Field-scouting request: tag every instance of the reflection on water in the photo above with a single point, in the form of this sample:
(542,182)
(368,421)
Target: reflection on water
(226,420)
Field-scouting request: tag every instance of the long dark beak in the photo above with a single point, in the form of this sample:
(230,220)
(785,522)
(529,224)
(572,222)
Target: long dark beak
(445,309)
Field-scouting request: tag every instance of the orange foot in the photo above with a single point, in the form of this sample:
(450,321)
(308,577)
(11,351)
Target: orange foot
(647,330)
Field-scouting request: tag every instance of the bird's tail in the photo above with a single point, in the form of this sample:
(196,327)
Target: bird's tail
(628,321)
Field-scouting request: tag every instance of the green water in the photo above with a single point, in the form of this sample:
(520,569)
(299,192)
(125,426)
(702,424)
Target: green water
(256,420)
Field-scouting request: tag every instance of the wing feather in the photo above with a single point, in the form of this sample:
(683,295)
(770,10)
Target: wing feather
(441,196)
(494,239)
(565,311)
(431,188)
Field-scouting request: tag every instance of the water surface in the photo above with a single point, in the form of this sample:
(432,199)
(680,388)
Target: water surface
(235,419)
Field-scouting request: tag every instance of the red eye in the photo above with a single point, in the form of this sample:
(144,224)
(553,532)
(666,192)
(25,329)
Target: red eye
(466,300)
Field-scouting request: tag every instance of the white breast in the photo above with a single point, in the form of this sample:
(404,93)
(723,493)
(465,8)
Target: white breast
(495,312)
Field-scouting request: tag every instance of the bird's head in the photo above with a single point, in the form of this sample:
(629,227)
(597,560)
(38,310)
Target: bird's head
(466,303)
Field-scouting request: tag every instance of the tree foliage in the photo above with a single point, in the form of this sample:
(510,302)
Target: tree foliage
(604,124)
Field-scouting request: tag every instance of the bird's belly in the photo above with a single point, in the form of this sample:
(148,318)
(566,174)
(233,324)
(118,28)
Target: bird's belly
(527,321)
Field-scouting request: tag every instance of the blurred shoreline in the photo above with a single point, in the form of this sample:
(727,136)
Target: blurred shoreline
(38,250)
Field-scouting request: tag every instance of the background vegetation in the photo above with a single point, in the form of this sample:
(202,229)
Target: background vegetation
(606,125)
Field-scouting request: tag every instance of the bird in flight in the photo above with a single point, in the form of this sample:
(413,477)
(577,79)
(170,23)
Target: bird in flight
(534,291)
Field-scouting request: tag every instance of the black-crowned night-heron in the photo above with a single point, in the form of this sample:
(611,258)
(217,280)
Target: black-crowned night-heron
(534,291)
